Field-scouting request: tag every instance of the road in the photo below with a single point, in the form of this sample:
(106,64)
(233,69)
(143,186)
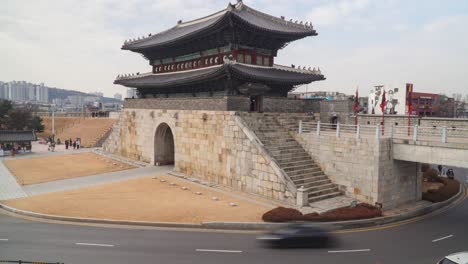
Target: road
(423,241)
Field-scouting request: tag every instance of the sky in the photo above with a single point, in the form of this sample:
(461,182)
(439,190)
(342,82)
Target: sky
(75,44)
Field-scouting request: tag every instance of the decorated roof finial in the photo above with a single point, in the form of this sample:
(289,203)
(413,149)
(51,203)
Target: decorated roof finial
(304,68)
(302,22)
(308,69)
(290,20)
(293,66)
(179,22)
(149,35)
(295,22)
(319,71)
(282,17)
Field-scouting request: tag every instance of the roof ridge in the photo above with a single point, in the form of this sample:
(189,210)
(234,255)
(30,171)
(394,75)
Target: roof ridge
(281,20)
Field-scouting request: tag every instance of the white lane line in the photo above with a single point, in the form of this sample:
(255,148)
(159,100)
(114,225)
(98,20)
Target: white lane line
(3,239)
(218,250)
(442,238)
(91,244)
(349,251)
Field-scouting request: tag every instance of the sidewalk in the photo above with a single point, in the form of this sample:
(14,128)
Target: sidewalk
(87,181)
(9,188)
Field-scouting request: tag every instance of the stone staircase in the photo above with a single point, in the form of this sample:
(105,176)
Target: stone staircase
(273,132)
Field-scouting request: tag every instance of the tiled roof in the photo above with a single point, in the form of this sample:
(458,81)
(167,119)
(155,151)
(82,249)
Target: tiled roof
(276,74)
(239,11)
(17,136)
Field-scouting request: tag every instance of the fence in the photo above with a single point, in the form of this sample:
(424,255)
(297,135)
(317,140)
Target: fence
(414,133)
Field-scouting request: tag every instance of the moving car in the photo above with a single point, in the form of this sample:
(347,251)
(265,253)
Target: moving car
(455,258)
(298,235)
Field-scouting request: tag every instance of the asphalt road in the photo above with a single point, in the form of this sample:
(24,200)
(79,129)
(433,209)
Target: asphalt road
(424,241)
(412,243)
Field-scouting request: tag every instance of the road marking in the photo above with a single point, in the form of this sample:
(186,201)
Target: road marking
(219,250)
(349,251)
(91,244)
(3,239)
(442,238)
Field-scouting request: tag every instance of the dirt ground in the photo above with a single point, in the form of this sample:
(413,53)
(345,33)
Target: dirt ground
(59,167)
(145,199)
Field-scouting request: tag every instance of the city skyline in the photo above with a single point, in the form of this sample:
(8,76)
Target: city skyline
(360,43)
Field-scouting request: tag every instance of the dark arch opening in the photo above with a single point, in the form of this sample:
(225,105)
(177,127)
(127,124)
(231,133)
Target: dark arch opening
(163,145)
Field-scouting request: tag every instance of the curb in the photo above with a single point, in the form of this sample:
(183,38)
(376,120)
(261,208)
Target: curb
(251,226)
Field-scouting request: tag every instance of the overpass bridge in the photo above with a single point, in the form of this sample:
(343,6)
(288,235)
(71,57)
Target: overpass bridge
(434,145)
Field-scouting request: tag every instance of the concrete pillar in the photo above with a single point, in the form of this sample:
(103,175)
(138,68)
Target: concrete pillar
(358,131)
(302,197)
(444,135)
(419,183)
(377,132)
(415,133)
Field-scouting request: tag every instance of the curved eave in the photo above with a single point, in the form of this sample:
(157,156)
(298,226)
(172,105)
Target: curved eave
(246,15)
(152,80)
(273,75)
(243,72)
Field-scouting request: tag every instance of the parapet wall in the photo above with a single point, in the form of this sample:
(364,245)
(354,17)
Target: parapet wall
(364,168)
(226,103)
(214,146)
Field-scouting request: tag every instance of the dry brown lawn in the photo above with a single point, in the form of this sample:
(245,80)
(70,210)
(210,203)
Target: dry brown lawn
(52,168)
(145,199)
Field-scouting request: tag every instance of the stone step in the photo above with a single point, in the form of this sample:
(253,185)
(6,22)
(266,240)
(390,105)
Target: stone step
(320,192)
(312,186)
(309,171)
(300,167)
(305,156)
(284,147)
(321,187)
(278,152)
(295,162)
(314,179)
(317,176)
(323,197)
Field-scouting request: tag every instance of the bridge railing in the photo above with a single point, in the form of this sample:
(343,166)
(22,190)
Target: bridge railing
(413,133)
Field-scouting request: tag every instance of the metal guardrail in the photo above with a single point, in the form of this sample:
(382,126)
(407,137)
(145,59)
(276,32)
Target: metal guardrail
(28,262)
(414,133)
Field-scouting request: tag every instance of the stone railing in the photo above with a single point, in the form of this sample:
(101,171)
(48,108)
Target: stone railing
(412,133)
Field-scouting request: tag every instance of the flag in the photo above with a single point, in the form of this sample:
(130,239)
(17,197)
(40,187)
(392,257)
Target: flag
(409,97)
(384,102)
(356,102)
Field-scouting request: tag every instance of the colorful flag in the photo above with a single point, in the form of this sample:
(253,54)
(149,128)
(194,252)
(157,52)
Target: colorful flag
(384,102)
(356,102)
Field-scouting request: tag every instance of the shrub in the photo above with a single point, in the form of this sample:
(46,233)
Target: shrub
(282,214)
(361,211)
(425,167)
(450,188)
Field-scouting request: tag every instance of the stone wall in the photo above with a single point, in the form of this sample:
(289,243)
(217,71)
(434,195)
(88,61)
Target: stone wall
(340,109)
(214,146)
(225,103)
(364,168)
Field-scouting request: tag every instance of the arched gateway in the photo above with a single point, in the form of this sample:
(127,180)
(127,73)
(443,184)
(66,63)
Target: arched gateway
(163,145)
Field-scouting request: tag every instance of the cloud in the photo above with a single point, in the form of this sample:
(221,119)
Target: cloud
(332,12)
(443,23)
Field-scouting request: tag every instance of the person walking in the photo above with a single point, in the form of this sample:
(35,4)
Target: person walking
(74,144)
(78,143)
(440,170)
(66,144)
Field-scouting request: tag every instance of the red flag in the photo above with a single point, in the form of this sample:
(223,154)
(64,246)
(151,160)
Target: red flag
(384,102)
(356,102)
(409,97)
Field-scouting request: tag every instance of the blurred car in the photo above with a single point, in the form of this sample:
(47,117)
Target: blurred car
(455,258)
(298,236)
